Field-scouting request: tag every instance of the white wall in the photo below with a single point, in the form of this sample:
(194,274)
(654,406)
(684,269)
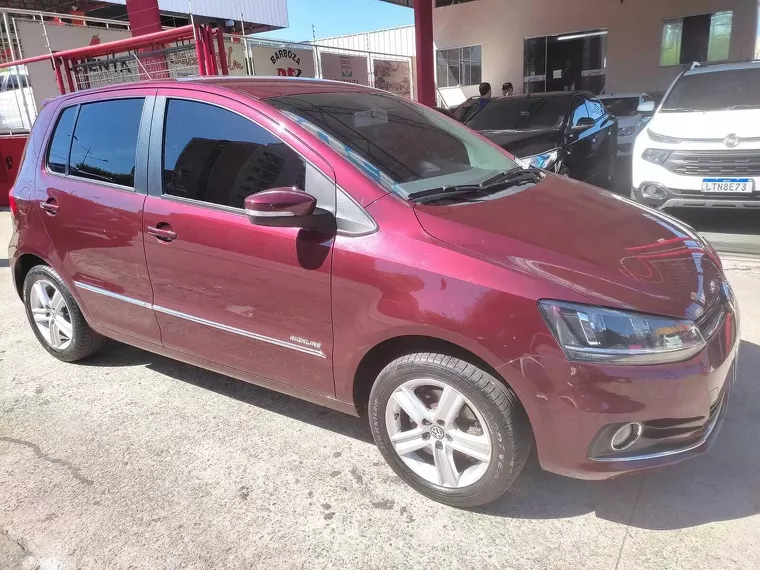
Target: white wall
(633,43)
(398,41)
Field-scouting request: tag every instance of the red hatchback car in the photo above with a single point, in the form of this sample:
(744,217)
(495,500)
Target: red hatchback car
(369,254)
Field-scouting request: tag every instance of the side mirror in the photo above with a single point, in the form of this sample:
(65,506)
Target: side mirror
(583,124)
(646,108)
(280,207)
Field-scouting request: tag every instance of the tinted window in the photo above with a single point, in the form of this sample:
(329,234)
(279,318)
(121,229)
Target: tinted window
(524,113)
(105,141)
(713,91)
(623,106)
(58,154)
(595,108)
(216,156)
(402,146)
(580,112)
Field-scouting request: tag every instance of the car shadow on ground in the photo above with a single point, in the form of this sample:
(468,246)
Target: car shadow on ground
(719,485)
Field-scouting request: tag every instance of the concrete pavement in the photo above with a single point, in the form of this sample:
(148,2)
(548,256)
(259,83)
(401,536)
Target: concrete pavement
(131,460)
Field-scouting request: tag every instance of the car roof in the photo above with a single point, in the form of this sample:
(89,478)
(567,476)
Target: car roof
(713,68)
(257,87)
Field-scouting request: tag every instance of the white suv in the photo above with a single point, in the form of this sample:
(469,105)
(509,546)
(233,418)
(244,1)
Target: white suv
(702,147)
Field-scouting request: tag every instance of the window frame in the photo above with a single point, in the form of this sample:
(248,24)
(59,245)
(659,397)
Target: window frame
(141,150)
(470,61)
(680,64)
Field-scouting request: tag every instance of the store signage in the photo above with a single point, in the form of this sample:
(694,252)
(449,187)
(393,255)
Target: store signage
(283,61)
(350,69)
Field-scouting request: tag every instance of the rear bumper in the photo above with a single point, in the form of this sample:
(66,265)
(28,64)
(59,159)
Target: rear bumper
(681,406)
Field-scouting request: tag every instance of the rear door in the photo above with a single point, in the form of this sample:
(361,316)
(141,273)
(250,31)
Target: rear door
(603,140)
(580,143)
(91,189)
(256,299)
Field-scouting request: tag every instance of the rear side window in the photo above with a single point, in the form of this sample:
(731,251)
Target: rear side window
(105,141)
(216,156)
(58,154)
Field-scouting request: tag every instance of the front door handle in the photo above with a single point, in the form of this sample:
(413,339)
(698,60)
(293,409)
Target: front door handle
(162,231)
(50,207)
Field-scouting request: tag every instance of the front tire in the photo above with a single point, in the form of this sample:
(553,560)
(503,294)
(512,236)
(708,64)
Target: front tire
(55,317)
(449,429)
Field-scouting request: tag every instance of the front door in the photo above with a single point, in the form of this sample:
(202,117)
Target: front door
(253,298)
(91,189)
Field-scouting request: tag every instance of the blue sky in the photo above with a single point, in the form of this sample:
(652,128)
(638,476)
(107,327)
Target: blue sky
(339,17)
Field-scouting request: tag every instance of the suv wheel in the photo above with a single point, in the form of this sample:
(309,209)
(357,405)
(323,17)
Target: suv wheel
(449,429)
(55,317)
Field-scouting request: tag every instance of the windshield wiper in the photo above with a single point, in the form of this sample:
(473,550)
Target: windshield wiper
(512,177)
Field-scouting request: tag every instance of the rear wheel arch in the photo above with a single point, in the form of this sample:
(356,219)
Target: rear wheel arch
(385,352)
(23,265)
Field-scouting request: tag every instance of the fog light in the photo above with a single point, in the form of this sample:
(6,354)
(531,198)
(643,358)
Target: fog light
(653,191)
(626,436)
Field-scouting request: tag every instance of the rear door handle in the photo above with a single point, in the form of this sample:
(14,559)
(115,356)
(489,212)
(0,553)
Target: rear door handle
(50,207)
(164,232)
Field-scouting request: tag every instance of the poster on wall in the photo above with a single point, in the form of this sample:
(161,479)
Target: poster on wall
(61,37)
(235,51)
(351,69)
(393,76)
(283,61)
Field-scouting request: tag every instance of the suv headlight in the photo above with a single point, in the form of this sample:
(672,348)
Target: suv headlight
(544,160)
(656,155)
(594,334)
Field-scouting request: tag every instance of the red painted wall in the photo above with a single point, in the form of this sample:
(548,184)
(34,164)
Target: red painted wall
(144,17)
(11,149)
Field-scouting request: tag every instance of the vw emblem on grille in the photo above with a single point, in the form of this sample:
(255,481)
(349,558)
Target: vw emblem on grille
(732,141)
(437,432)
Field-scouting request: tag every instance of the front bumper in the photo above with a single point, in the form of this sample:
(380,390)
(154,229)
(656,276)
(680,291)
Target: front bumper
(679,198)
(682,407)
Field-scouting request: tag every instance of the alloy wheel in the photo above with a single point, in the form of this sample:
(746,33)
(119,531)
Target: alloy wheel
(438,433)
(51,314)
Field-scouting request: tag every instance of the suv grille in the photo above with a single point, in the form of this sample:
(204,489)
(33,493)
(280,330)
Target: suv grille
(715,163)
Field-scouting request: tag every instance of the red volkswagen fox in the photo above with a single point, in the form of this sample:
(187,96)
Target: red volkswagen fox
(358,250)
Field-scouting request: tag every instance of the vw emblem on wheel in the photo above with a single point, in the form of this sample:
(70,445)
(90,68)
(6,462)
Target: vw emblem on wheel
(437,432)
(732,141)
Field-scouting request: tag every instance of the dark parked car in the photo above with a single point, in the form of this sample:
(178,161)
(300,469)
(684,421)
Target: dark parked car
(570,133)
(358,250)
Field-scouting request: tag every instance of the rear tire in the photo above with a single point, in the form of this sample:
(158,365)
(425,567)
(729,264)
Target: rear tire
(471,438)
(55,317)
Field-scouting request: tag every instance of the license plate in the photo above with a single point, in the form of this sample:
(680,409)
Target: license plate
(728,185)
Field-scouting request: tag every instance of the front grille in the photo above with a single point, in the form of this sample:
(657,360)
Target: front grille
(715,163)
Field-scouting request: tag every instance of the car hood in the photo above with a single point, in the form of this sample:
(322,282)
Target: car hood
(525,143)
(611,250)
(708,125)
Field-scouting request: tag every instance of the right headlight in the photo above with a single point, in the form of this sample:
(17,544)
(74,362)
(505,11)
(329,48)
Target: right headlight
(656,155)
(594,334)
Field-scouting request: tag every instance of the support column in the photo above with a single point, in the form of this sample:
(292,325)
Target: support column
(144,17)
(423,34)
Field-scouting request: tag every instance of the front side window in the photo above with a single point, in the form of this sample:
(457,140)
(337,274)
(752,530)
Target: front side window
(105,141)
(705,37)
(521,114)
(403,146)
(459,66)
(595,109)
(712,91)
(219,157)
(60,144)
(579,114)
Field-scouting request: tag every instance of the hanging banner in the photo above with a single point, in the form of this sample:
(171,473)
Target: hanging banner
(393,76)
(61,37)
(351,69)
(235,51)
(283,61)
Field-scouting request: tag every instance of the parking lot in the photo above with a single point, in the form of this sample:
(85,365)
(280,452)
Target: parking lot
(131,460)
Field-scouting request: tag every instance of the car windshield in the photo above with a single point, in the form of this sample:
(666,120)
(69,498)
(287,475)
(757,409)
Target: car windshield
(735,88)
(622,106)
(405,147)
(520,114)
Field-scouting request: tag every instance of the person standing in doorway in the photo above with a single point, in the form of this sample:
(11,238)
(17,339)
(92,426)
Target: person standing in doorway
(568,76)
(507,89)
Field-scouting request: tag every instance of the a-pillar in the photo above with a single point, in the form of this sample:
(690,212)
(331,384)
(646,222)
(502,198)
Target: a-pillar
(144,17)
(423,33)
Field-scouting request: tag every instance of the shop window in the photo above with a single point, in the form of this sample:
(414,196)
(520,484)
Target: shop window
(705,37)
(439,3)
(459,66)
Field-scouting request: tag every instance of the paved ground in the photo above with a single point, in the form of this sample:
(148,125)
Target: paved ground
(135,461)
